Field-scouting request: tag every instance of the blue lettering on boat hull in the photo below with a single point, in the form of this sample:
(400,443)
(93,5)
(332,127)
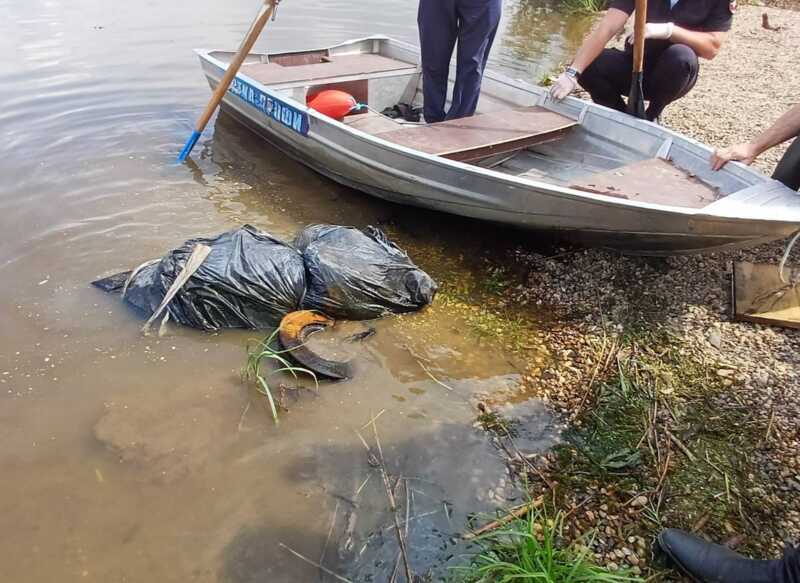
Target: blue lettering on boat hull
(273,108)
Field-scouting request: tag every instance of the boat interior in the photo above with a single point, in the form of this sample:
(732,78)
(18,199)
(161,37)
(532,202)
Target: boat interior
(515,131)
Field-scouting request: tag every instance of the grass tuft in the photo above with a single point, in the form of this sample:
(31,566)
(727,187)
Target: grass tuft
(263,353)
(535,548)
(586,6)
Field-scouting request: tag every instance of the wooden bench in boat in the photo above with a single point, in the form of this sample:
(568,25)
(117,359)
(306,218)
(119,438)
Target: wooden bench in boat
(655,180)
(327,69)
(474,138)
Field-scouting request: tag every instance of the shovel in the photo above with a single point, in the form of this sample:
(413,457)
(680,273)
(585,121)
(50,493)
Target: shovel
(636,95)
(266,12)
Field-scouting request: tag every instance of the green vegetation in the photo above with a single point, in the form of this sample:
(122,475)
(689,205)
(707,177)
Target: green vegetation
(261,354)
(493,422)
(535,548)
(585,6)
(658,430)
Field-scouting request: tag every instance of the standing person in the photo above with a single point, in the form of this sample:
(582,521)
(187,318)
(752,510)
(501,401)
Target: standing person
(785,128)
(473,23)
(677,33)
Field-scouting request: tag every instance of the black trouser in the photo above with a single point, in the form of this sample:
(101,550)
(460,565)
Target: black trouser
(670,72)
(788,172)
(789,571)
(473,23)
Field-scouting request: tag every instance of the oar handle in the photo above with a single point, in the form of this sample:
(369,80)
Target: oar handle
(260,22)
(638,35)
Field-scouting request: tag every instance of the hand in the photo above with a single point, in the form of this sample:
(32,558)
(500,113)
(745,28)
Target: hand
(563,86)
(745,153)
(656,31)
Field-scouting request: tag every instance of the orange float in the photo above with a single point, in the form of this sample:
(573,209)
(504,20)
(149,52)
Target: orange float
(333,103)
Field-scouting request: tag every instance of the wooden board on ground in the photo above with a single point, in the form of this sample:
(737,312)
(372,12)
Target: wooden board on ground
(473,138)
(344,66)
(760,296)
(655,180)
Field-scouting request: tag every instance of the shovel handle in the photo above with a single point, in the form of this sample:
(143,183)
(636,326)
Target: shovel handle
(638,35)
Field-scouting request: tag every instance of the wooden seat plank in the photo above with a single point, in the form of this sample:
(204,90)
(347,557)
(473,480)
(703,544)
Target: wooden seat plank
(334,66)
(473,138)
(371,122)
(654,180)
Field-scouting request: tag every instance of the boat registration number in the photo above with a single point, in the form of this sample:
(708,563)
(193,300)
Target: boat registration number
(273,108)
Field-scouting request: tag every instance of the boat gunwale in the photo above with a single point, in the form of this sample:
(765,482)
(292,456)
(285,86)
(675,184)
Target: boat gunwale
(756,179)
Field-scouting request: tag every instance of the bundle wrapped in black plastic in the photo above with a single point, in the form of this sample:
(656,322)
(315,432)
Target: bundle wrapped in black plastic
(360,275)
(248,280)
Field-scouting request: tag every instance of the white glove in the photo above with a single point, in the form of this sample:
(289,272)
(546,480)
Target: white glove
(563,86)
(656,31)
(659,30)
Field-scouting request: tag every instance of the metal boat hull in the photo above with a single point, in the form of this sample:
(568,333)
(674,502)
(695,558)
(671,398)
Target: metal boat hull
(403,176)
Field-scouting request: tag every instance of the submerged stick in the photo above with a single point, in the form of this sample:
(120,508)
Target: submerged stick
(433,378)
(392,506)
(330,533)
(315,564)
(512,515)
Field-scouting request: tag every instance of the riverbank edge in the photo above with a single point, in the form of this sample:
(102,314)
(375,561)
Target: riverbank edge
(675,415)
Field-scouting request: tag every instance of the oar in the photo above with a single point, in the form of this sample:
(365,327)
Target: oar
(636,95)
(261,20)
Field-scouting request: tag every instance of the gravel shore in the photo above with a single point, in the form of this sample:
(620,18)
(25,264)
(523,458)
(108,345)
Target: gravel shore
(742,91)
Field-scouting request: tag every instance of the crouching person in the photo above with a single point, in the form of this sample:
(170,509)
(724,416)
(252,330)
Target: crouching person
(678,33)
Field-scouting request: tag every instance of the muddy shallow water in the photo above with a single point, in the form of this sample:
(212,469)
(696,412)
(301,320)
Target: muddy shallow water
(131,458)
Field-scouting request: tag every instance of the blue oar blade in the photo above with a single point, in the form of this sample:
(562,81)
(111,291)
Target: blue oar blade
(187,149)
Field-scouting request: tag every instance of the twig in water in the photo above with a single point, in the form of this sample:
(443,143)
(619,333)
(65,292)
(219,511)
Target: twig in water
(330,533)
(364,483)
(373,420)
(241,419)
(512,515)
(392,505)
(317,565)
(433,378)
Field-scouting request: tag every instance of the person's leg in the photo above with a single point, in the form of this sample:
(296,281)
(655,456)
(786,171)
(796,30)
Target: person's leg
(670,77)
(478,22)
(608,78)
(705,561)
(791,560)
(438,30)
(788,169)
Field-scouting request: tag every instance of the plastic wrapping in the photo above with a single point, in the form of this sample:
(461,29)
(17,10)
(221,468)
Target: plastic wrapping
(360,275)
(249,280)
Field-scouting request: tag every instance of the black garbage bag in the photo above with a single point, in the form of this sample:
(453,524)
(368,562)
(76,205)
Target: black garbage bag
(249,280)
(360,275)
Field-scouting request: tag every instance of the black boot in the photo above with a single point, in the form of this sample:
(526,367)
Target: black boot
(706,562)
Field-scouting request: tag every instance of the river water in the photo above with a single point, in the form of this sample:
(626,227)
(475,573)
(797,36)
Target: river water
(132,458)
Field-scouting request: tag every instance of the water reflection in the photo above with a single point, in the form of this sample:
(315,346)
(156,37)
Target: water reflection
(540,35)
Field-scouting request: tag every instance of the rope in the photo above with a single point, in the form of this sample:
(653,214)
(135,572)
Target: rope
(785,257)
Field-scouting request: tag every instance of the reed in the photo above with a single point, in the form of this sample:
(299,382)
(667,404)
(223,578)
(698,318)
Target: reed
(533,548)
(263,354)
